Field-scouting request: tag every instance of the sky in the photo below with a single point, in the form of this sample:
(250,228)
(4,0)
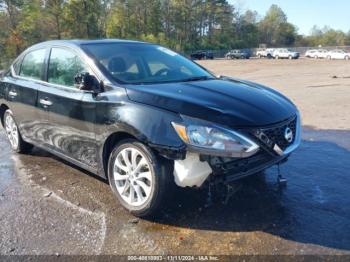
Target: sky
(306,13)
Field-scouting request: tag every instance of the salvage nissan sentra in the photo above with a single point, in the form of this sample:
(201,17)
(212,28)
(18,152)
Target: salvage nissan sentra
(143,117)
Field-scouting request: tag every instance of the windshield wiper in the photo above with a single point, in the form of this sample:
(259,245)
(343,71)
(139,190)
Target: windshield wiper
(197,78)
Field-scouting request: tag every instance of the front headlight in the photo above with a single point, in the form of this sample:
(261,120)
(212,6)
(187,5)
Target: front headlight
(214,140)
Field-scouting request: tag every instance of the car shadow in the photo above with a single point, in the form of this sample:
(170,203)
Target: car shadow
(313,208)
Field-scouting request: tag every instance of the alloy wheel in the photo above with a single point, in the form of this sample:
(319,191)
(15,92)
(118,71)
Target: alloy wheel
(11,131)
(132,176)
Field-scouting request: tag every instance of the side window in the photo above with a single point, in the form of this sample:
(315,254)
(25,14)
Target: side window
(32,64)
(64,65)
(133,69)
(155,66)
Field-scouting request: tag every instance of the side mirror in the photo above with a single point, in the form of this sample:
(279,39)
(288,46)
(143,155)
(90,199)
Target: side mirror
(85,81)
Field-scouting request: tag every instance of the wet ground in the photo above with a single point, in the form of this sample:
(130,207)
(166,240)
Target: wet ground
(50,207)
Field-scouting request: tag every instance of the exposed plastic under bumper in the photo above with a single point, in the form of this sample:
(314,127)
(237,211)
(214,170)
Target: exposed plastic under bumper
(191,171)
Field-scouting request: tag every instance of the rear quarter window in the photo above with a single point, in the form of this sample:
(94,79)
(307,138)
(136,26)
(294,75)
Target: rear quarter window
(17,66)
(32,64)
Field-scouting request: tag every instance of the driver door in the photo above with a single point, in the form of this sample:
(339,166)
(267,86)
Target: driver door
(71,111)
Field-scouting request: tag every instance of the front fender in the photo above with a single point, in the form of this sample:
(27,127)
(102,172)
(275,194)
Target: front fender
(148,124)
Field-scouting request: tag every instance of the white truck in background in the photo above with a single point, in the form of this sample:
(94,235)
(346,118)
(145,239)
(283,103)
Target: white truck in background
(262,53)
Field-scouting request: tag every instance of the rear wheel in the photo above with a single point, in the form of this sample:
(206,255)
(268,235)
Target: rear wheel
(329,57)
(346,57)
(13,134)
(290,57)
(140,180)
(277,57)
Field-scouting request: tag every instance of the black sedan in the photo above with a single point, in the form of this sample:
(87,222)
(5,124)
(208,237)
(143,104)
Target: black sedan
(143,117)
(200,55)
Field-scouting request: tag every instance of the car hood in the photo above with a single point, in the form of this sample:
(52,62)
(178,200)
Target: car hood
(230,102)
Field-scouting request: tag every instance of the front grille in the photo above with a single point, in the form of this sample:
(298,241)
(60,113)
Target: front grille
(276,134)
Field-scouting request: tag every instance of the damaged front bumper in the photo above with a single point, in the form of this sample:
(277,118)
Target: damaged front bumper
(195,169)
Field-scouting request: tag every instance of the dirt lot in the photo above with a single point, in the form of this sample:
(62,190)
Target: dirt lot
(50,207)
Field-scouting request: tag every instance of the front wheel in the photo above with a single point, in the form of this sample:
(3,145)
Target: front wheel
(346,57)
(17,143)
(139,179)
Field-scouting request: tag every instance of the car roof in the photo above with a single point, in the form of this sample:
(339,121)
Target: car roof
(80,42)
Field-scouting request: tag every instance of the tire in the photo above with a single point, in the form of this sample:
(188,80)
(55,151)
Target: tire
(329,57)
(277,57)
(346,58)
(141,195)
(316,57)
(290,57)
(18,145)
(259,56)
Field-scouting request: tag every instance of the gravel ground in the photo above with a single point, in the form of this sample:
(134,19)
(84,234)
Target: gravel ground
(50,207)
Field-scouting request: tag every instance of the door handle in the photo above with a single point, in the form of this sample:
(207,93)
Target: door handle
(45,102)
(13,93)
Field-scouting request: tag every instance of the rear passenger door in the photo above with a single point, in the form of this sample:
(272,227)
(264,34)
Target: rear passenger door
(22,90)
(71,110)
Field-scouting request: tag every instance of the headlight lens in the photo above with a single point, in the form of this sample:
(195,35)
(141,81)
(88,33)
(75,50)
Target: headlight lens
(215,140)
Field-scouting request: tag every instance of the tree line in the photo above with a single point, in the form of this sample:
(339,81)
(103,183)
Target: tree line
(183,25)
